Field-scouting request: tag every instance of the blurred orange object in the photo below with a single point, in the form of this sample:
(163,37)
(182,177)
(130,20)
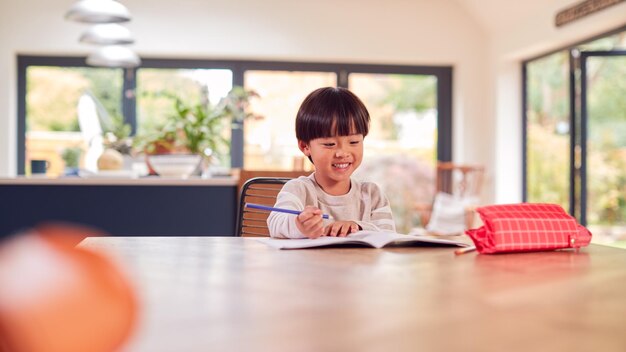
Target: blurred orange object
(57,298)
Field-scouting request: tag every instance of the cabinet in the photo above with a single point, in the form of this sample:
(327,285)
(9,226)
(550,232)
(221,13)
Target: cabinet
(134,207)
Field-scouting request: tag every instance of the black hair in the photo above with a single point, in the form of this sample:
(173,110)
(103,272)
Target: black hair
(330,111)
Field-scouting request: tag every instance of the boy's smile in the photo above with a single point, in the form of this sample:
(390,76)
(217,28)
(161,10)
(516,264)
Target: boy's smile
(342,166)
(335,159)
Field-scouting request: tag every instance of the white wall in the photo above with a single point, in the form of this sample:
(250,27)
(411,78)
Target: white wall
(7,110)
(532,37)
(418,32)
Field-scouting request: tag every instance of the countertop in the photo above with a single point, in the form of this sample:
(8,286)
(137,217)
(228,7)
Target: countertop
(140,181)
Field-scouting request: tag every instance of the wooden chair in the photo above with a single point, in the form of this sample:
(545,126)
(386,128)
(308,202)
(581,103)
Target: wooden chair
(461,181)
(260,187)
(245,175)
(259,190)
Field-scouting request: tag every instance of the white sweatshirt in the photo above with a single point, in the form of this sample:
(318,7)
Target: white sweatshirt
(364,204)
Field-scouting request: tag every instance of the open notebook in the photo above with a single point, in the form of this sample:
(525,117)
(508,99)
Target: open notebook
(374,239)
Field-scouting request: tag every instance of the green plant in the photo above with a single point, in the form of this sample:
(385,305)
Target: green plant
(117,135)
(199,127)
(71,156)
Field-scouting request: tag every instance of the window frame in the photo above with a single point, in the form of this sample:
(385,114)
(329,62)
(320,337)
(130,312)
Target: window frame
(238,68)
(574,116)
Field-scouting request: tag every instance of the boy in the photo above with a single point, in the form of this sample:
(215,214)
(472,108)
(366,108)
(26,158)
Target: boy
(331,125)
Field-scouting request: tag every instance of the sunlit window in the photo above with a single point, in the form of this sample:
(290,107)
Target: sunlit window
(157,88)
(270,142)
(548,130)
(595,102)
(52,115)
(401,148)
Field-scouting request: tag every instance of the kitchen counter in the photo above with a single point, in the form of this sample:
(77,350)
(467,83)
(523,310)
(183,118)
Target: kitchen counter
(148,206)
(118,181)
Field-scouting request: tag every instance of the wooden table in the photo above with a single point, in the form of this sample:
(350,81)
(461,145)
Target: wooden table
(224,294)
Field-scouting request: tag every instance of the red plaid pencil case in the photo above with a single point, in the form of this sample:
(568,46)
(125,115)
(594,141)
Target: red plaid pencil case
(527,227)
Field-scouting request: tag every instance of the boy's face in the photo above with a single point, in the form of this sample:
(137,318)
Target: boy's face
(335,158)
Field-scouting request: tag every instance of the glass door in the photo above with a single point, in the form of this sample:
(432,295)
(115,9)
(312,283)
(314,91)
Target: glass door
(574,133)
(603,144)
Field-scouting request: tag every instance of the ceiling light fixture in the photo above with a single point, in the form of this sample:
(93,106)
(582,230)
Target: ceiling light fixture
(113,56)
(98,11)
(107,34)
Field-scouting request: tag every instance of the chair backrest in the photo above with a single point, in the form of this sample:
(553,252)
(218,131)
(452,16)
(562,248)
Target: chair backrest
(245,175)
(259,190)
(463,181)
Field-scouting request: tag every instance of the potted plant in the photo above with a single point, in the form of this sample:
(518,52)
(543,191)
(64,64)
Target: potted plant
(193,133)
(117,136)
(71,157)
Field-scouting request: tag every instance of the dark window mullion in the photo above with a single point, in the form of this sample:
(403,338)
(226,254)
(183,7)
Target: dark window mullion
(524,132)
(129,99)
(237,128)
(573,169)
(21,115)
(343,78)
(583,139)
(444,115)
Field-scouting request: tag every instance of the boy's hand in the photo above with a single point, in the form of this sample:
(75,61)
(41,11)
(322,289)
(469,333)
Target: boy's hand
(310,222)
(341,228)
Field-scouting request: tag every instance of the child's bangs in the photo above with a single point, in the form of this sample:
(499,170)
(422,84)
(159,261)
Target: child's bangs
(329,112)
(348,125)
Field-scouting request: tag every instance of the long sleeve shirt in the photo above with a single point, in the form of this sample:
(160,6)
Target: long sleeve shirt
(364,204)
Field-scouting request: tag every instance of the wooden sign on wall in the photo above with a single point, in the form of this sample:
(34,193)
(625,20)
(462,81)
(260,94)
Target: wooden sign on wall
(581,10)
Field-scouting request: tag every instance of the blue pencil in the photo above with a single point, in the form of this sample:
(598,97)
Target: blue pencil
(281,210)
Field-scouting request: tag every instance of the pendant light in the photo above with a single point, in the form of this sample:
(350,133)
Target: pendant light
(98,11)
(107,34)
(113,56)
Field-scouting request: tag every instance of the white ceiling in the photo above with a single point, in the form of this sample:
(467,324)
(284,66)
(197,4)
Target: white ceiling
(497,15)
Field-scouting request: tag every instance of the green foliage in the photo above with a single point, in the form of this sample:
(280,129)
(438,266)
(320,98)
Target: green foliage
(548,165)
(607,103)
(106,85)
(403,93)
(548,151)
(607,182)
(117,135)
(158,88)
(51,99)
(413,93)
(53,94)
(547,89)
(234,105)
(199,127)
(71,156)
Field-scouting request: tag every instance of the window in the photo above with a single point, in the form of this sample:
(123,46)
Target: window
(548,130)
(575,133)
(402,138)
(270,143)
(157,87)
(52,107)
(410,107)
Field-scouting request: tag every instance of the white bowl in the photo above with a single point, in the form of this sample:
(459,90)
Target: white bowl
(174,165)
